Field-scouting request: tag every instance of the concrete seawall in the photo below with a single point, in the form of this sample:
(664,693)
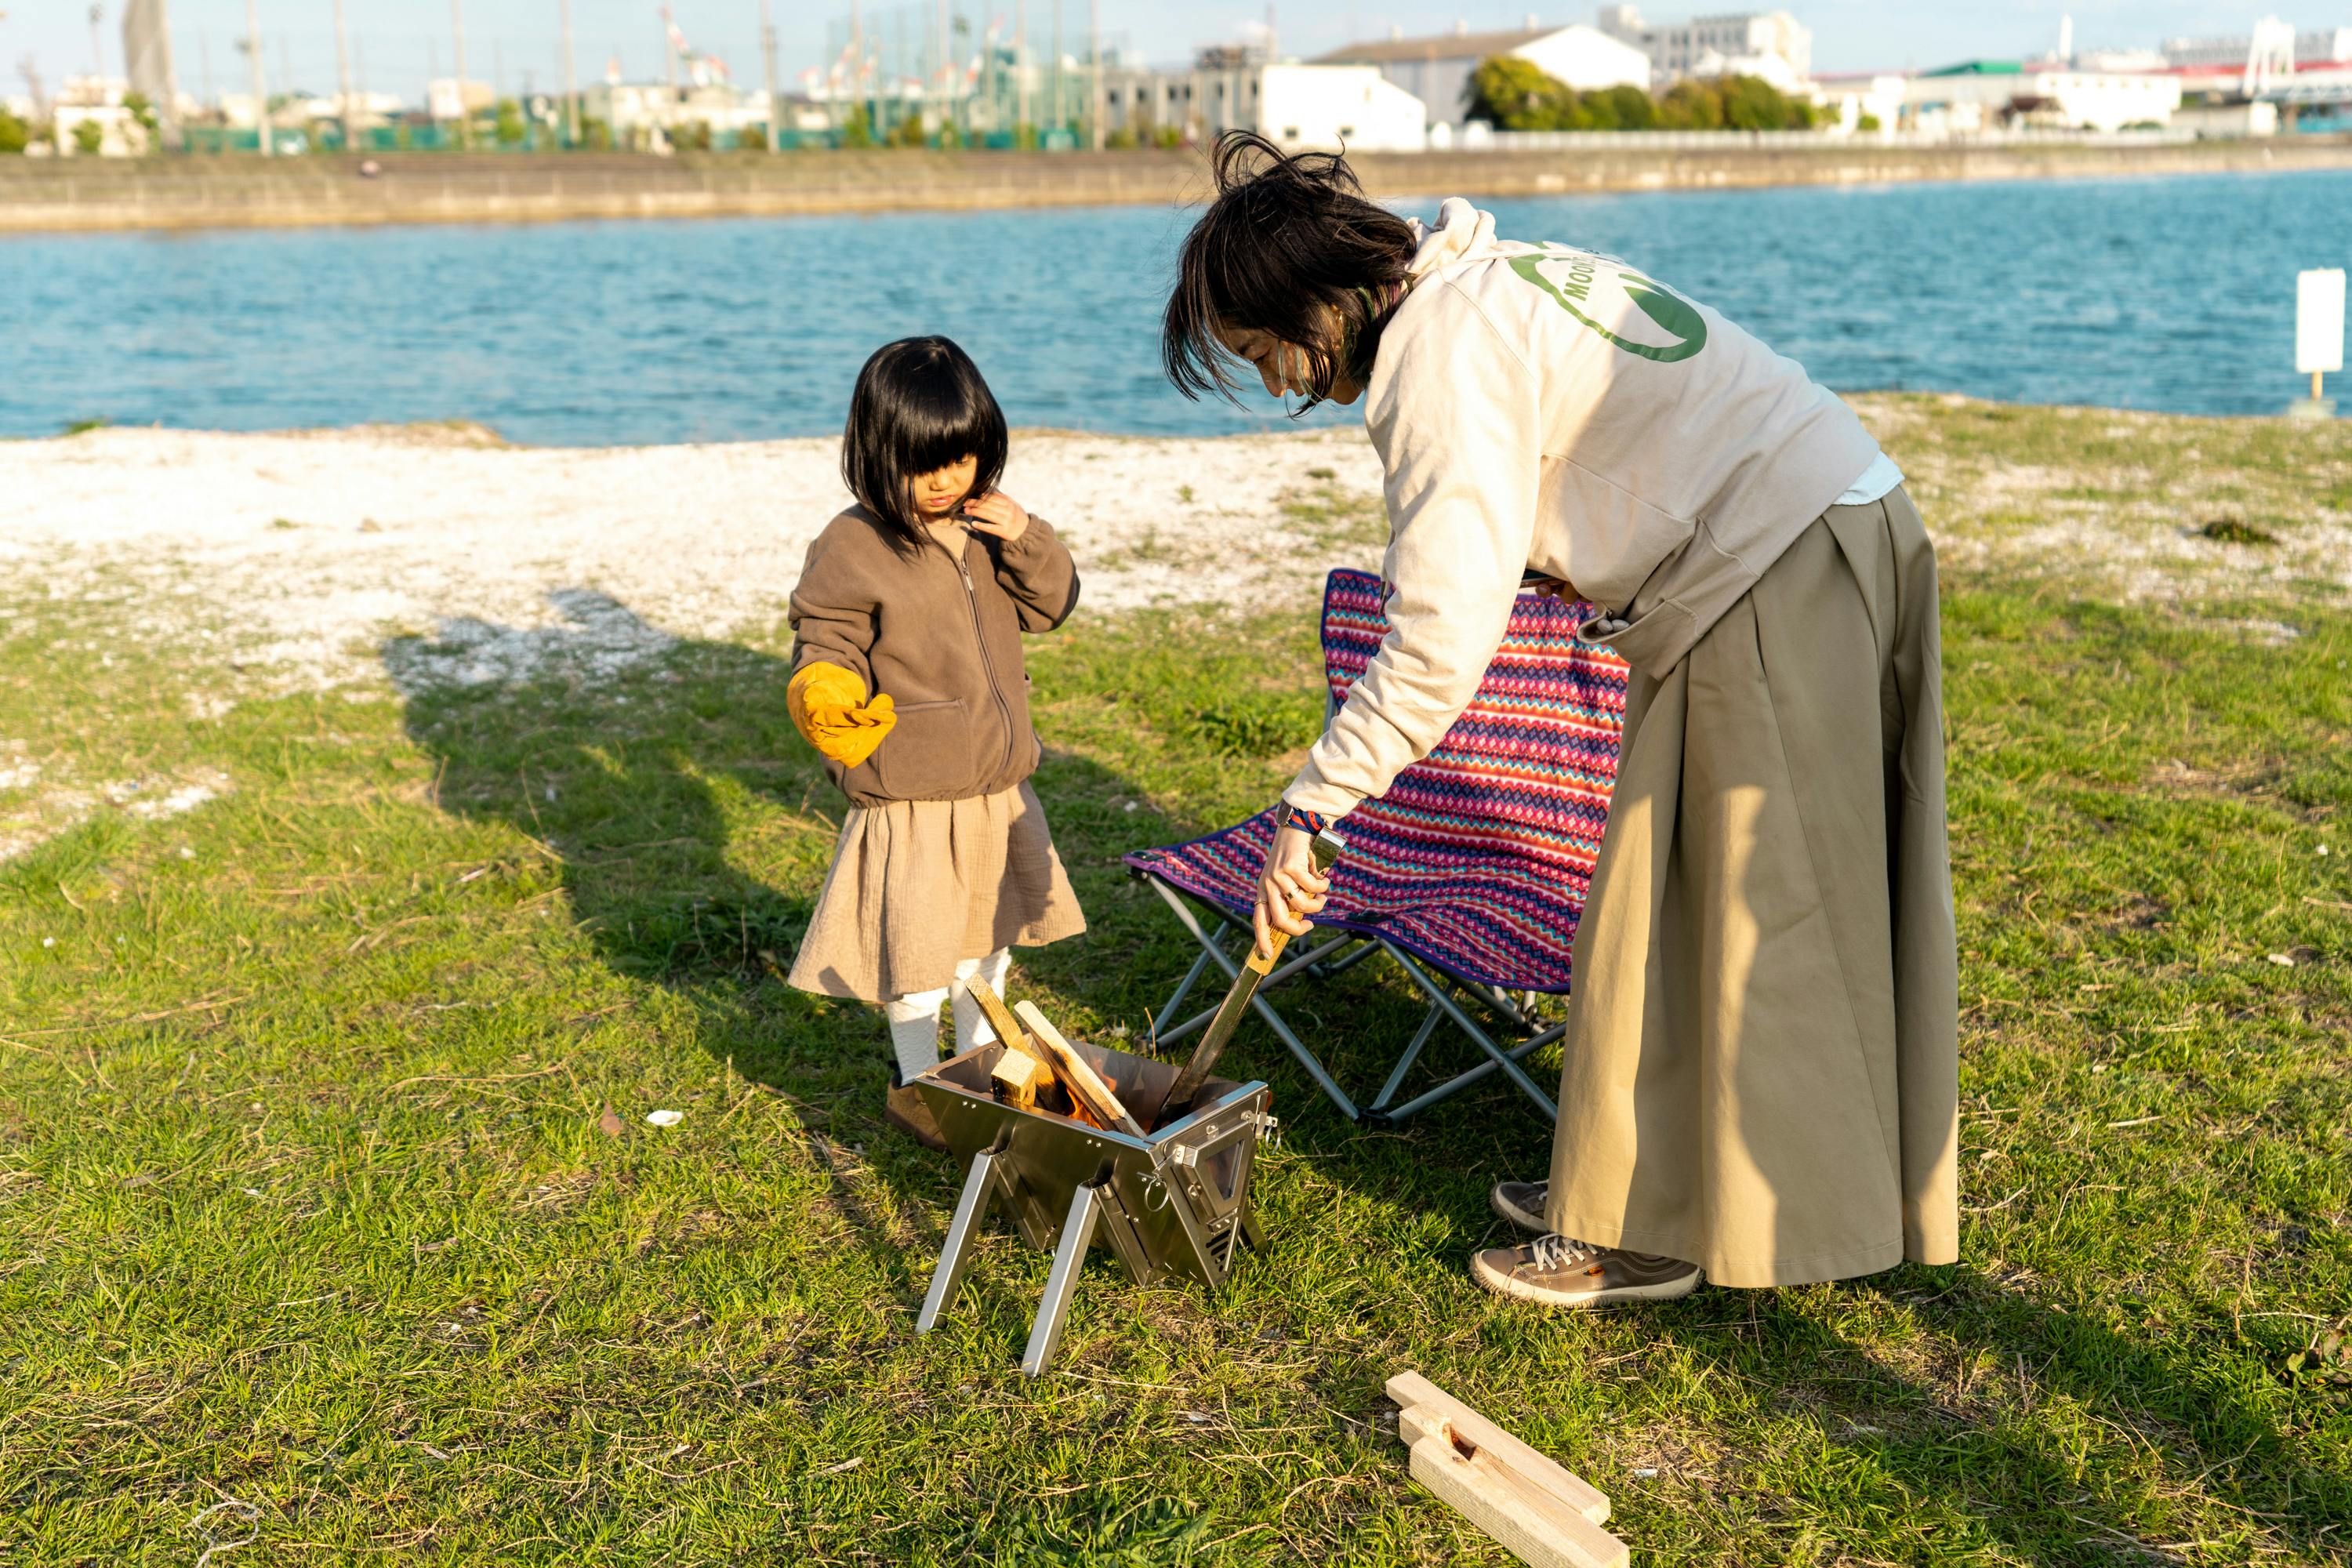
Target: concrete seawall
(70,195)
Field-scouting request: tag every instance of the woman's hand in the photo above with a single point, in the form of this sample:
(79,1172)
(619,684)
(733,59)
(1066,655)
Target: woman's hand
(1288,889)
(999,514)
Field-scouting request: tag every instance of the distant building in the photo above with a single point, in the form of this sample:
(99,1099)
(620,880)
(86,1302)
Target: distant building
(1437,69)
(2311,47)
(96,101)
(369,108)
(1351,106)
(1877,98)
(1979,95)
(2227,122)
(448,98)
(651,113)
(2112,60)
(120,134)
(92,91)
(1769,44)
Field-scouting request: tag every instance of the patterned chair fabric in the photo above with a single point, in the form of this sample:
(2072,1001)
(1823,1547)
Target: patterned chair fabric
(1478,859)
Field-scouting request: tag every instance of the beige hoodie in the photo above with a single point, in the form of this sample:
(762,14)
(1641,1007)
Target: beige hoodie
(1541,408)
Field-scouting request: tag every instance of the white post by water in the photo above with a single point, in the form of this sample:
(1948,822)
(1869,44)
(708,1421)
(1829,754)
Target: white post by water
(2318,334)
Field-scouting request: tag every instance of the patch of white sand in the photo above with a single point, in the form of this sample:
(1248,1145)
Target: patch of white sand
(28,824)
(303,552)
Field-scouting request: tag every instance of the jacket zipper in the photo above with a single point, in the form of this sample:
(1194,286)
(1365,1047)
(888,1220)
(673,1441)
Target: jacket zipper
(987,665)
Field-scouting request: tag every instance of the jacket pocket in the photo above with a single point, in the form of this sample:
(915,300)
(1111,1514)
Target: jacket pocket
(928,754)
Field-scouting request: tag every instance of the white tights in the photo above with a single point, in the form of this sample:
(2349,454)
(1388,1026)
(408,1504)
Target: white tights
(915,1019)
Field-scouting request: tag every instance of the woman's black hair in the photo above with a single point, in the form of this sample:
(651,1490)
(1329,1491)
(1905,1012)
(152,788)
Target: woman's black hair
(920,406)
(1289,242)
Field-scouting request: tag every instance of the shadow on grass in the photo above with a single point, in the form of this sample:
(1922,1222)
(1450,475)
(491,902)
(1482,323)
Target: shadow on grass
(693,828)
(1955,1418)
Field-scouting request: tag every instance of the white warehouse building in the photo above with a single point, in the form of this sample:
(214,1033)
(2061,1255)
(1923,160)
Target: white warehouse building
(1768,44)
(1297,105)
(1978,95)
(1437,69)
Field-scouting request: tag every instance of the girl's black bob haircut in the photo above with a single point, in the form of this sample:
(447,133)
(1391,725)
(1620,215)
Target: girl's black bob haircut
(920,406)
(1292,247)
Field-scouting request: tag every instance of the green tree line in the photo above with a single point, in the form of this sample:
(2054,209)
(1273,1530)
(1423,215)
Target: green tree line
(1515,94)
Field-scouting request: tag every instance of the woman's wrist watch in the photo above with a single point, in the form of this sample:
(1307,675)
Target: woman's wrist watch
(1308,822)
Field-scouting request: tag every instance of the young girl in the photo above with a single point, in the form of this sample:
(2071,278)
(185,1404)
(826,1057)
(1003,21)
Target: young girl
(907,676)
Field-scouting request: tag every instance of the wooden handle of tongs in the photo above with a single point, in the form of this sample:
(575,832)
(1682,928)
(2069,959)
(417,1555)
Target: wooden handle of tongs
(1326,851)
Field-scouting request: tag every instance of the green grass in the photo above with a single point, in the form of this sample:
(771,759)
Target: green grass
(312,1209)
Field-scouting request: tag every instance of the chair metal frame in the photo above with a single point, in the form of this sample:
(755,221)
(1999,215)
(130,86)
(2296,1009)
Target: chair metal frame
(1325,956)
(1480,1009)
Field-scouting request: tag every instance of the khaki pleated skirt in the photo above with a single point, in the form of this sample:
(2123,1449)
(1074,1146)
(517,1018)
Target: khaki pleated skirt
(916,886)
(1762,1059)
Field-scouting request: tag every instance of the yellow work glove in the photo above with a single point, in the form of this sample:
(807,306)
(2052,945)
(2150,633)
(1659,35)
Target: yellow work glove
(828,704)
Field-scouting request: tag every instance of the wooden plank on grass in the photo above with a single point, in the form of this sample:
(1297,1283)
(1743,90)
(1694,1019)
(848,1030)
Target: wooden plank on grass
(1529,1519)
(1414,1392)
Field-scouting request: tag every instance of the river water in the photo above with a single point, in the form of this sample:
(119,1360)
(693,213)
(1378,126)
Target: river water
(2175,294)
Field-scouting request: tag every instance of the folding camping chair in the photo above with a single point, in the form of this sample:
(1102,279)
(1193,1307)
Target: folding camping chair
(1469,874)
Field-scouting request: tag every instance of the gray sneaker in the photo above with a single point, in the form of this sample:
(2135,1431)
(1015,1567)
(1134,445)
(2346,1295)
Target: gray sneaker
(1521,1203)
(1558,1272)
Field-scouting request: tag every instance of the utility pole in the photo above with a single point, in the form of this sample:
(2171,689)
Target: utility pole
(260,86)
(97,47)
(458,21)
(775,99)
(1094,75)
(570,83)
(343,70)
(858,67)
(30,65)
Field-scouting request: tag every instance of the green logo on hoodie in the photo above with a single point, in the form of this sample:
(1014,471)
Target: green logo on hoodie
(1674,315)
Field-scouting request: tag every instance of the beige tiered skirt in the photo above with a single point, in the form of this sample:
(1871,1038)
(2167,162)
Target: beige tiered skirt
(918,885)
(1762,1054)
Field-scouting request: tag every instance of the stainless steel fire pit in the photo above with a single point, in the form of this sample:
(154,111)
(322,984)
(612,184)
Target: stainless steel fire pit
(1176,1203)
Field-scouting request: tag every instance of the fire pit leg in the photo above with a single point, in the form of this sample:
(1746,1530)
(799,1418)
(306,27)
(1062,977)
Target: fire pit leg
(963,1236)
(1062,1280)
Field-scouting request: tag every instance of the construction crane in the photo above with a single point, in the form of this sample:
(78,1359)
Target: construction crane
(702,70)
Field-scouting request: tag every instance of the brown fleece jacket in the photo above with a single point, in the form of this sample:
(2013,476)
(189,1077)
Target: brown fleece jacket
(941,635)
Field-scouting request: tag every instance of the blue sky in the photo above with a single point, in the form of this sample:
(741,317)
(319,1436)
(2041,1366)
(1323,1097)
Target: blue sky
(399,40)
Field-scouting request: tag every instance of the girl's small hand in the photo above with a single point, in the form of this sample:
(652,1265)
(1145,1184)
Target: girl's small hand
(999,514)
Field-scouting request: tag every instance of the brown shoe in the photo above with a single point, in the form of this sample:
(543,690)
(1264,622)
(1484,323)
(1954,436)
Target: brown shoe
(1521,1203)
(903,1109)
(1558,1272)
